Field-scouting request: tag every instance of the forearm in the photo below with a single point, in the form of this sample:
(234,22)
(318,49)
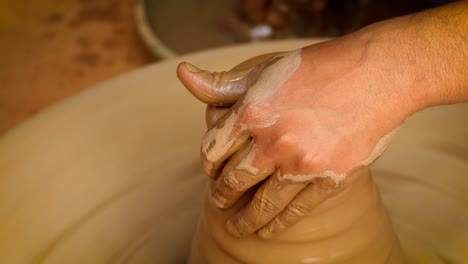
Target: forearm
(425,54)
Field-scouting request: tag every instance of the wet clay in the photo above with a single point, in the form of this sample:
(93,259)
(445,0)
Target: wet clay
(112,175)
(350,227)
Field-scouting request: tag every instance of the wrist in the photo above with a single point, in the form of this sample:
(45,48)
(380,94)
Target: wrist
(387,63)
(425,55)
(395,55)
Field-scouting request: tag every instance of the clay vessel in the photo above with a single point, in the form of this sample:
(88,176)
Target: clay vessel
(350,227)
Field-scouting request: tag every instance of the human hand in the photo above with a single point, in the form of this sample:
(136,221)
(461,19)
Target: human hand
(302,122)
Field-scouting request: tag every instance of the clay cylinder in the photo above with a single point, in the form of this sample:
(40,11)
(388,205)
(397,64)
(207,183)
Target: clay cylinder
(350,227)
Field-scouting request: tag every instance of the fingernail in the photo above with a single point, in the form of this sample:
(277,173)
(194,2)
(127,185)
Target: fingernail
(218,199)
(265,233)
(271,230)
(232,229)
(192,68)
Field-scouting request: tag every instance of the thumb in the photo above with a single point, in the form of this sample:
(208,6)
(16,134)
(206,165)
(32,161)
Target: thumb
(224,88)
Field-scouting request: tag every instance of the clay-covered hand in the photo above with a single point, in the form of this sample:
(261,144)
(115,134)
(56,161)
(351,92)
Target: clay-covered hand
(300,123)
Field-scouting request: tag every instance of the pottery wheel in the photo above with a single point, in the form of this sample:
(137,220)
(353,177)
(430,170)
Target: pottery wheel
(111,175)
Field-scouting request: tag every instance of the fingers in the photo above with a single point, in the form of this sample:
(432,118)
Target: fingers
(309,198)
(214,88)
(252,62)
(223,88)
(214,113)
(244,169)
(220,142)
(299,207)
(270,199)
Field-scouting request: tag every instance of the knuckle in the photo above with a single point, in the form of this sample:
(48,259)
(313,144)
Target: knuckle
(296,210)
(231,181)
(246,224)
(286,140)
(264,205)
(309,162)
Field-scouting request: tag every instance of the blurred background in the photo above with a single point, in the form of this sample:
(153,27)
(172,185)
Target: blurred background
(51,49)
